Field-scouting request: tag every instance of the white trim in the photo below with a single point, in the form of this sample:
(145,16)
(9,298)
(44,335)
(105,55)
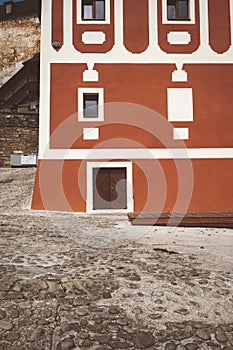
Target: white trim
(79,14)
(180,104)
(100,92)
(90,75)
(150,153)
(179,75)
(181,134)
(90,133)
(93,38)
(129,179)
(178,38)
(191,13)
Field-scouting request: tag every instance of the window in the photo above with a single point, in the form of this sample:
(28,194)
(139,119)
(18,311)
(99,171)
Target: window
(114,176)
(8,8)
(90,104)
(178,10)
(93,10)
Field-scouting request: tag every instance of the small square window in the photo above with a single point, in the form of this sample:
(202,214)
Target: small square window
(8,8)
(178,10)
(90,104)
(93,10)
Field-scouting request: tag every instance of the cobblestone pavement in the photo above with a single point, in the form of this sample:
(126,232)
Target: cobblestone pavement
(81,282)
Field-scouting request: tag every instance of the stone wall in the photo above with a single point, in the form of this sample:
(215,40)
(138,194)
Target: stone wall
(20,40)
(18,132)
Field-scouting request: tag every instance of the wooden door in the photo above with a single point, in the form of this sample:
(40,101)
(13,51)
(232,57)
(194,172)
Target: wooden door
(109,188)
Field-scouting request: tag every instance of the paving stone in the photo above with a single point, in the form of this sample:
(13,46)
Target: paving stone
(102,338)
(220,335)
(124,335)
(119,344)
(86,343)
(67,292)
(66,344)
(2,314)
(191,346)
(134,277)
(106,295)
(114,310)
(182,311)
(36,334)
(170,346)
(144,340)
(122,321)
(12,336)
(182,334)
(81,311)
(5,325)
(203,334)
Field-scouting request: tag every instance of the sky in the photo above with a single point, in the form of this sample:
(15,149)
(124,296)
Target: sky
(1,1)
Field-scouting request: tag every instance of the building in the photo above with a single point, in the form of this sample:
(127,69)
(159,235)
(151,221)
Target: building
(21,92)
(135,106)
(17,10)
(19,78)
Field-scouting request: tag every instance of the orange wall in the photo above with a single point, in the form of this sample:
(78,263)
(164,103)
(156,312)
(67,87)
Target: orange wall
(62,185)
(136,26)
(146,85)
(219,25)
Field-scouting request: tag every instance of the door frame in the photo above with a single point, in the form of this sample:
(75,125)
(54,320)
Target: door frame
(129,186)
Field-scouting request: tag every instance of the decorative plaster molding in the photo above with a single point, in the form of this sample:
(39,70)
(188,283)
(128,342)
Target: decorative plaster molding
(150,153)
(90,133)
(178,38)
(181,134)
(180,104)
(90,75)
(93,38)
(179,75)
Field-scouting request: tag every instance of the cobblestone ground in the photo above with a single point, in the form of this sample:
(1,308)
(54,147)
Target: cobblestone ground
(78,282)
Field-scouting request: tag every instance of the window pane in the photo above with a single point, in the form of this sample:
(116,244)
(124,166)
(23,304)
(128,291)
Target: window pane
(183,9)
(171,12)
(87,12)
(90,105)
(99,9)
(8,8)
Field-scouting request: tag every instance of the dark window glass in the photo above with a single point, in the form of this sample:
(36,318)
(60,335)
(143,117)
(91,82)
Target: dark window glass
(99,9)
(183,9)
(90,105)
(178,9)
(93,10)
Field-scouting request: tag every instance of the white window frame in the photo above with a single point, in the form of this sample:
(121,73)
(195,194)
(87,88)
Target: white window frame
(191,20)
(9,9)
(107,19)
(100,92)
(90,190)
